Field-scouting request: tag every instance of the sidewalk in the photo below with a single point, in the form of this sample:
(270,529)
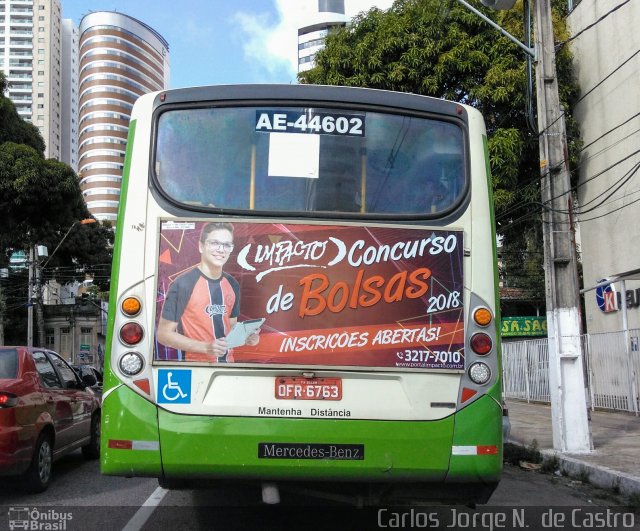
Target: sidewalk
(615,460)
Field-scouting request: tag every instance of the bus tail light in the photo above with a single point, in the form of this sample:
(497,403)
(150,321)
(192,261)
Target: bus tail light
(131,306)
(482,316)
(481,343)
(480,373)
(131,363)
(131,333)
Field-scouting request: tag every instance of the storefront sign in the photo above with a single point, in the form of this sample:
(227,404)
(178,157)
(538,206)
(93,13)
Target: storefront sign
(524,326)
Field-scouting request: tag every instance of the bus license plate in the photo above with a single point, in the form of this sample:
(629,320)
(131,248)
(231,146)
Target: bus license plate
(297,388)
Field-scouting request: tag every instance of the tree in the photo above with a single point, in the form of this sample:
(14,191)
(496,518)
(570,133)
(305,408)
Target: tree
(40,201)
(13,128)
(36,195)
(87,250)
(439,48)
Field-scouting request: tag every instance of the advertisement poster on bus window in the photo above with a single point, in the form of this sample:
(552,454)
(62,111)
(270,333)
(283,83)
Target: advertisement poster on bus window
(310,295)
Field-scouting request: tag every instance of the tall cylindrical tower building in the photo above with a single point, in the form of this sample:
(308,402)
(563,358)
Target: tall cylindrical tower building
(121,58)
(322,17)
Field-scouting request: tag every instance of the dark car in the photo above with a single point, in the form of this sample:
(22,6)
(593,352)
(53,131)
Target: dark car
(84,370)
(46,412)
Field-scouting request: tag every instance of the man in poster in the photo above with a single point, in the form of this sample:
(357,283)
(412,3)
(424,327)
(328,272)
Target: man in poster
(203,304)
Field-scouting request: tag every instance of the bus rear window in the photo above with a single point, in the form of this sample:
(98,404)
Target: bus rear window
(300,159)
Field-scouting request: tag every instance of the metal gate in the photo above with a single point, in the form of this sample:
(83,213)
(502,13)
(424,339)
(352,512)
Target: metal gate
(612,371)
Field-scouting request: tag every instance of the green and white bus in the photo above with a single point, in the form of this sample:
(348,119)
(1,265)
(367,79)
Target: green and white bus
(304,292)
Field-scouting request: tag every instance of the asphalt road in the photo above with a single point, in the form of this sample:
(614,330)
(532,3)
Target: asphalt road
(81,498)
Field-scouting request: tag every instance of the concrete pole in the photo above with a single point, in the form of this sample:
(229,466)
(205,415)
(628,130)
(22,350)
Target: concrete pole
(632,392)
(1,327)
(30,299)
(39,308)
(570,424)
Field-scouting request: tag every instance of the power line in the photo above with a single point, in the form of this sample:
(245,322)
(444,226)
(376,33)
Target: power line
(611,131)
(536,180)
(624,180)
(562,43)
(618,184)
(610,212)
(607,76)
(562,112)
(532,215)
(572,189)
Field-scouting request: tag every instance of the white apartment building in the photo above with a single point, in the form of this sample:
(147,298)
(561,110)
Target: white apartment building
(69,115)
(121,58)
(78,85)
(605,45)
(30,52)
(16,52)
(321,18)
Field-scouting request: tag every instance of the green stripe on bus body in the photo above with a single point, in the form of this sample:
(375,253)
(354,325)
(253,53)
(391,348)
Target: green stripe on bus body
(479,424)
(128,417)
(110,380)
(208,446)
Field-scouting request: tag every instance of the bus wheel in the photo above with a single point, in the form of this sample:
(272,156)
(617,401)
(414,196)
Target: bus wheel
(38,475)
(172,483)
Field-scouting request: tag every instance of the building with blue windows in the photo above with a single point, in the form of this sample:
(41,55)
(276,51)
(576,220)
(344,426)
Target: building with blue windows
(325,16)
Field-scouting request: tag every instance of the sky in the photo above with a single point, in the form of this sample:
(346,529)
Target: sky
(222,41)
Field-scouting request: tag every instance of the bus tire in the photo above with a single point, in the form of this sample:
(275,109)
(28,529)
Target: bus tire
(172,483)
(38,476)
(92,450)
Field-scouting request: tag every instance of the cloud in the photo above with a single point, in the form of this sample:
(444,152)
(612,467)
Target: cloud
(267,44)
(353,7)
(270,39)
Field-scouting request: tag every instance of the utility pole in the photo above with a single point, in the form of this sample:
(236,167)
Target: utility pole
(4,273)
(39,306)
(570,422)
(30,298)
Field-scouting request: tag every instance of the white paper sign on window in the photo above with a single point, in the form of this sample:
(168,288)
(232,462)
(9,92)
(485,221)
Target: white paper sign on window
(294,155)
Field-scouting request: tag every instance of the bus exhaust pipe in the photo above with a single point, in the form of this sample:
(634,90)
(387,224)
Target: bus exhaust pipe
(270,494)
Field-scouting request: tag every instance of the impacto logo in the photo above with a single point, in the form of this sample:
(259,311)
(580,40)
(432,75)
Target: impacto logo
(36,519)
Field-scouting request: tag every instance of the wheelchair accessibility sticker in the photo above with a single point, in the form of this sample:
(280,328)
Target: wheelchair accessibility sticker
(174,386)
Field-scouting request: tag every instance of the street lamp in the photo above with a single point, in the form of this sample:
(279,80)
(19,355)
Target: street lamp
(86,221)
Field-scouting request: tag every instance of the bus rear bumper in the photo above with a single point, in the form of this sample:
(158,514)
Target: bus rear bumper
(311,449)
(394,461)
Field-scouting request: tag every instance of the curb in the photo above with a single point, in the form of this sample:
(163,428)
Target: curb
(599,476)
